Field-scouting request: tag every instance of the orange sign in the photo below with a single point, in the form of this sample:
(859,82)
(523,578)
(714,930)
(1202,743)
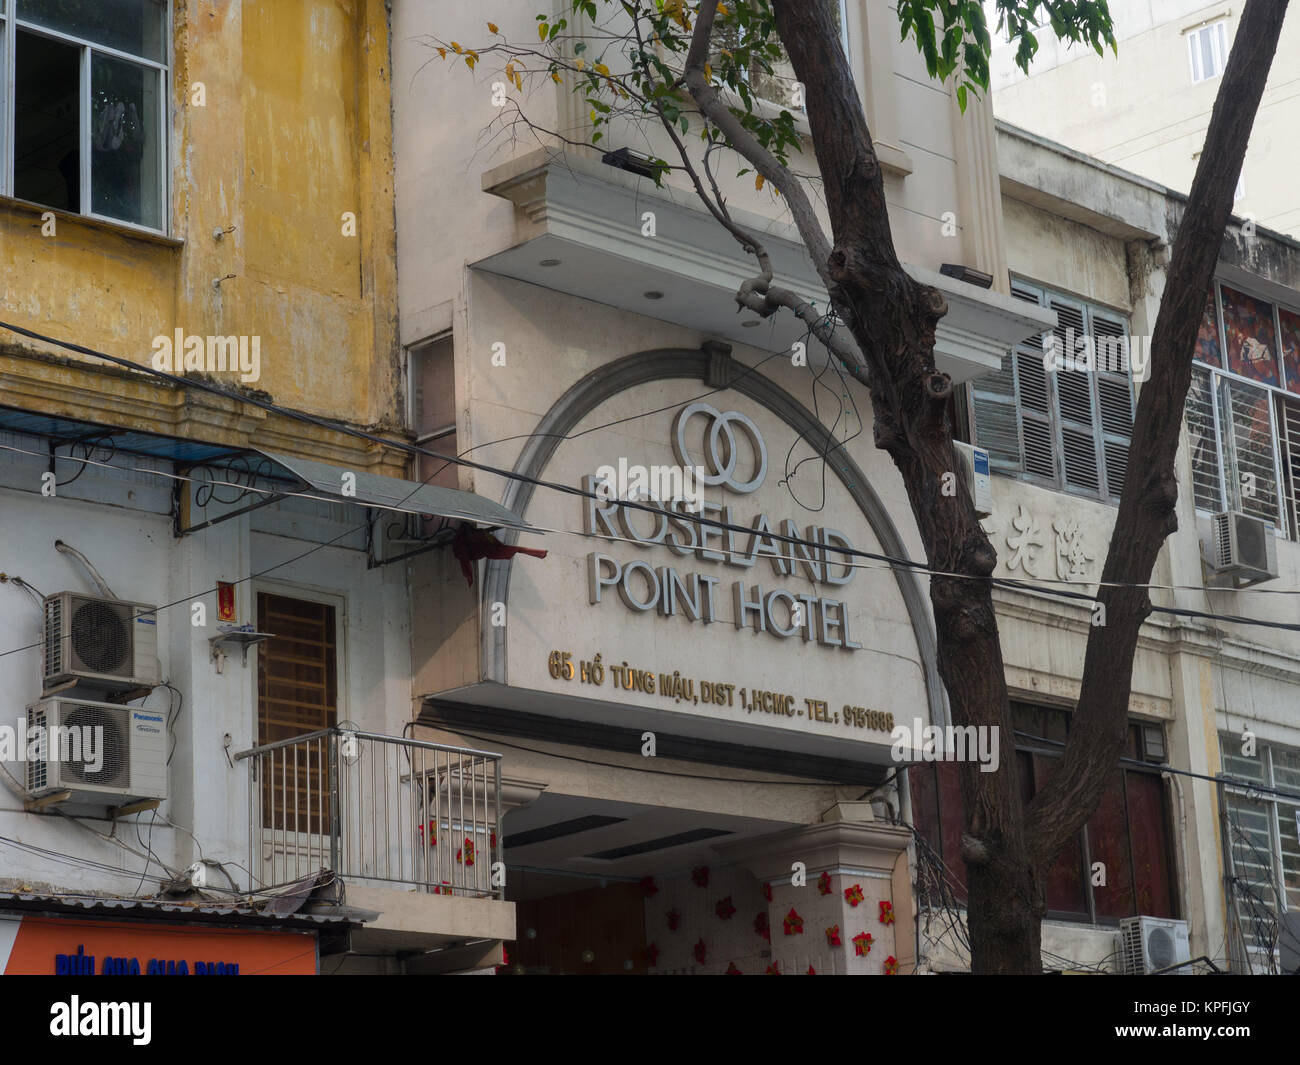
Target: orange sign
(74,946)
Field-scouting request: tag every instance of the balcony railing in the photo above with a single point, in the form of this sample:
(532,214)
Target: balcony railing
(388,812)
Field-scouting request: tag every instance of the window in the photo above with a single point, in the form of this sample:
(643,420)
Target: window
(780,87)
(432,392)
(1129,832)
(1067,427)
(1207,49)
(87,118)
(1262,831)
(1243,409)
(297,693)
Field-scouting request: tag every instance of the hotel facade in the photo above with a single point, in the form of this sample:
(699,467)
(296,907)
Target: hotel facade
(659,738)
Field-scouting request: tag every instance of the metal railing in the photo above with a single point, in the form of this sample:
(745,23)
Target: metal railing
(379,810)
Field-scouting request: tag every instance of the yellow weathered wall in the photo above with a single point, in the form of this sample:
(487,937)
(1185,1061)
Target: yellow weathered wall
(296,130)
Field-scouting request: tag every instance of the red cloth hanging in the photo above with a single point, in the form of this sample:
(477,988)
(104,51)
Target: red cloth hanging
(472,543)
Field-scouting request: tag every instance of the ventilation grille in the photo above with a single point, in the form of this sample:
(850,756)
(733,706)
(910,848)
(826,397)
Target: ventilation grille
(53,636)
(38,767)
(1131,945)
(100,637)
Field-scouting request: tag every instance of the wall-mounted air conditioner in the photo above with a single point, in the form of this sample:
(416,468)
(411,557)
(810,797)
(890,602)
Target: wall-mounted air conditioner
(1242,548)
(975,473)
(102,753)
(102,643)
(1149,944)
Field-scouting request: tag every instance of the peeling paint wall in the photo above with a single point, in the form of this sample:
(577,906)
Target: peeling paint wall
(294,132)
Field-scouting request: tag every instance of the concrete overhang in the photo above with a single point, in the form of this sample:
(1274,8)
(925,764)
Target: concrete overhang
(1076,186)
(580,232)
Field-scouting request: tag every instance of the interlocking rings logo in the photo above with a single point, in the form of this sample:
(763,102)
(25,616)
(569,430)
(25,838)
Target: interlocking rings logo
(721,454)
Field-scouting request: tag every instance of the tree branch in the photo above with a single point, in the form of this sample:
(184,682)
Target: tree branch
(1146,511)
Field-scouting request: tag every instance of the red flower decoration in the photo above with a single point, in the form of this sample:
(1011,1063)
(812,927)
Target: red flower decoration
(732,970)
(652,955)
(811,971)
(493,841)
(824,883)
(701,951)
(674,919)
(891,966)
(772,970)
(793,923)
(700,874)
(862,944)
(833,936)
(886,912)
(466,854)
(762,927)
(853,895)
(649,886)
(767,892)
(433,834)
(724,909)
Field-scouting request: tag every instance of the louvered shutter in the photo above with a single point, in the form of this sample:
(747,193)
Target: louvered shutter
(1245,414)
(995,410)
(1075,403)
(1203,438)
(1114,398)
(1034,390)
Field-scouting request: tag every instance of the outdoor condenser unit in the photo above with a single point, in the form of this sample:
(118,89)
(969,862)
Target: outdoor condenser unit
(102,643)
(129,743)
(975,473)
(1242,547)
(1149,944)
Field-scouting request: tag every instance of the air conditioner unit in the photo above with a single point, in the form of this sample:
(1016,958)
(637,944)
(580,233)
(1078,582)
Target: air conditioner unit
(101,752)
(1149,944)
(975,473)
(102,643)
(1242,548)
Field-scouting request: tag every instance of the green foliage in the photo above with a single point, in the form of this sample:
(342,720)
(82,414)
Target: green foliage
(953,35)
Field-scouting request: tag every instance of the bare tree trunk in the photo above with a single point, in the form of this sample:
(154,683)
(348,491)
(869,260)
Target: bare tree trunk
(1009,850)
(1146,511)
(893,319)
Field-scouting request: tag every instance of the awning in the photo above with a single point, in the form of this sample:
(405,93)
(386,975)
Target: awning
(409,497)
(267,475)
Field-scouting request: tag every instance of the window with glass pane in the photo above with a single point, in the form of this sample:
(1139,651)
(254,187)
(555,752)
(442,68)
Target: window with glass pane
(90,83)
(1263,827)
(1245,434)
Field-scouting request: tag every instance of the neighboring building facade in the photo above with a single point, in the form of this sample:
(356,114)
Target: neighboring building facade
(177,172)
(1147,108)
(1210,696)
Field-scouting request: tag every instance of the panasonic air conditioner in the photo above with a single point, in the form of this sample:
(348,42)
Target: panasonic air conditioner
(102,753)
(1150,944)
(101,643)
(1242,548)
(975,473)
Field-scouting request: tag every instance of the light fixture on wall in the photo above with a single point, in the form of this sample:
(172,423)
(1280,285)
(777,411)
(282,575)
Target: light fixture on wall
(967,274)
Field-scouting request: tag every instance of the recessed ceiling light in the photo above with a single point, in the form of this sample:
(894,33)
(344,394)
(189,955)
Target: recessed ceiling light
(548,262)
(751,323)
(653,295)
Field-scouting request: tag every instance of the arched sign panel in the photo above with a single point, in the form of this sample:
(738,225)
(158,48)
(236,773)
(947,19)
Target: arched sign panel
(729,605)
